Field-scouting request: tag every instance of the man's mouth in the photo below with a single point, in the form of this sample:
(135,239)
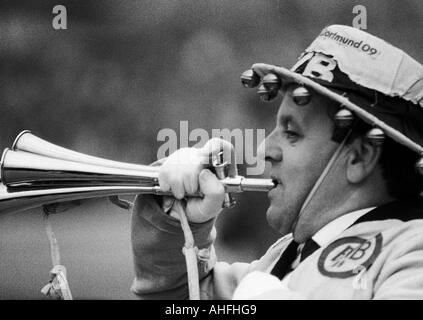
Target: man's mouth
(276,189)
(276,181)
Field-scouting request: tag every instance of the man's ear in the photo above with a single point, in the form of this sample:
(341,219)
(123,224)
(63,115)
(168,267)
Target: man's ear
(362,159)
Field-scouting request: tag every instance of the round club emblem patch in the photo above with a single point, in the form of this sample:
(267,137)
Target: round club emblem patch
(344,257)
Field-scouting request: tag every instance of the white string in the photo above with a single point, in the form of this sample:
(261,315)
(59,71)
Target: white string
(58,286)
(190,252)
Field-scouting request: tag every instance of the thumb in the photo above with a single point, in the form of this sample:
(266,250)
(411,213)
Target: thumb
(215,146)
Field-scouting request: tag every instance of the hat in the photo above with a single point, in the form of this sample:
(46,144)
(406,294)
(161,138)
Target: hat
(376,81)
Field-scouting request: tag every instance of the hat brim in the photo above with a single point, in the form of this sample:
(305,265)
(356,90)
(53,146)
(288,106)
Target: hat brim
(287,76)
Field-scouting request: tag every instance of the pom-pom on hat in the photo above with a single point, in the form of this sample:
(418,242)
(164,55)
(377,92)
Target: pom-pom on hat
(376,81)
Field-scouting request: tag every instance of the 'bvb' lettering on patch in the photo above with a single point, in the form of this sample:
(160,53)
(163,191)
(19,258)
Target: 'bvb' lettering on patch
(342,257)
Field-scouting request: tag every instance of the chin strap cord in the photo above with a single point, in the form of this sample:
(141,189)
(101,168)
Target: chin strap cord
(58,286)
(324,173)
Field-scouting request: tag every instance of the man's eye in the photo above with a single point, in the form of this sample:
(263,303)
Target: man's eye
(291,135)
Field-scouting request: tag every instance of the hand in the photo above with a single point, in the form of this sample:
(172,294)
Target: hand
(185,173)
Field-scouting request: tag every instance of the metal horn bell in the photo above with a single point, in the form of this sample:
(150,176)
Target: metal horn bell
(36,172)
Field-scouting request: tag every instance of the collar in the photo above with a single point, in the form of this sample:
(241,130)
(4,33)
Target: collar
(334,228)
(403,210)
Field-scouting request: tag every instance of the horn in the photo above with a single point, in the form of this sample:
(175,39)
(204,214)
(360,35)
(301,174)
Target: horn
(26,141)
(36,172)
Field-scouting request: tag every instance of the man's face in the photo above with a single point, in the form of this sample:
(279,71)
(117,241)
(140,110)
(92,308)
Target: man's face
(298,149)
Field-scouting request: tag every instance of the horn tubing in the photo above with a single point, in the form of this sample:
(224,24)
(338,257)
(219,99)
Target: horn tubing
(26,141)
(33,175)
(27,199)
(23,200)
(24,167)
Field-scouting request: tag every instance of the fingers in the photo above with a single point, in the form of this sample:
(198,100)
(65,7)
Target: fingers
(203,209)
(216,145)
(178,180)
(164,180)
(191,184)
(167,203)
(210,186)
(179,172)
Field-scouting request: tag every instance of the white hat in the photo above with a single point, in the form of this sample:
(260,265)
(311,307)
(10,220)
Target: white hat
(378,82)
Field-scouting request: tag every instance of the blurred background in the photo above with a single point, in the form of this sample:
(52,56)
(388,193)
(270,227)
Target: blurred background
(124,70)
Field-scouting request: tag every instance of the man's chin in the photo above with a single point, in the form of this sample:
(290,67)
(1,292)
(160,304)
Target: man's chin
(279,220)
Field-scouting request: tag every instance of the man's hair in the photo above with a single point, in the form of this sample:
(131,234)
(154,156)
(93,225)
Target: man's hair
(398,165)
(398,162)
(398,168)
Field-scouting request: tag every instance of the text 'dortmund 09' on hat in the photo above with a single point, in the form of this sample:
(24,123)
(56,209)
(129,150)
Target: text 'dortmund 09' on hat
(367,76)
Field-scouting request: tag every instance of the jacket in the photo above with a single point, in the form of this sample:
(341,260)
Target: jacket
(379,257)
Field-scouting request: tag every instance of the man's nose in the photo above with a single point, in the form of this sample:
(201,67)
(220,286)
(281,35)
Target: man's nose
(269,149)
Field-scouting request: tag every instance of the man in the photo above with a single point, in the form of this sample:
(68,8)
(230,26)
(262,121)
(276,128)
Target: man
(348,135)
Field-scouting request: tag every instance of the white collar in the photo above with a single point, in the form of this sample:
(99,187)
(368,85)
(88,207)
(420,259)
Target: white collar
(337,226)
